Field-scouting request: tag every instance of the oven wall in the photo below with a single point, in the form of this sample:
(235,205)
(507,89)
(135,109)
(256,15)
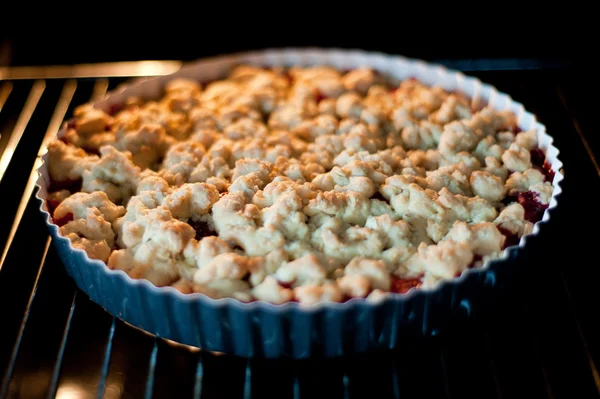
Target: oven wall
(89,38)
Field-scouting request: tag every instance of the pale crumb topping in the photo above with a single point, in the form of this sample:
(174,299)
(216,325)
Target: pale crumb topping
(512,218)
(306,184)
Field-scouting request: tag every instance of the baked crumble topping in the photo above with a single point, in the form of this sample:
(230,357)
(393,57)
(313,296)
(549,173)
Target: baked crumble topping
(299,184)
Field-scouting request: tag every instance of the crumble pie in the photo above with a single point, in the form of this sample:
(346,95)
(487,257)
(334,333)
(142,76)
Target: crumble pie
(298,184)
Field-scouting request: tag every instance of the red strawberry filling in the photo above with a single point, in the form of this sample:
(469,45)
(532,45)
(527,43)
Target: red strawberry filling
(73,186)
(547,171)
(537,157)
(287,285)
(403,285)
(534,210)
(319,96)
(64,220)
(52,204)
(539,162)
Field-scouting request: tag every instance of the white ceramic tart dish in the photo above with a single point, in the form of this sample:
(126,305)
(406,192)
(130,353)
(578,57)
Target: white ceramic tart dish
(350,199)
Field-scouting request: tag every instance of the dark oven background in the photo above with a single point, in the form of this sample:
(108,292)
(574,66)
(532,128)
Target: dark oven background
(189,31)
